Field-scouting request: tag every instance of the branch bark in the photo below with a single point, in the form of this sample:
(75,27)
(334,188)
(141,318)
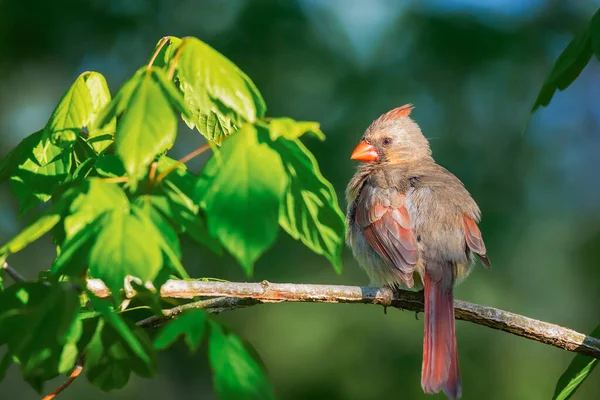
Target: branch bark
(233,295)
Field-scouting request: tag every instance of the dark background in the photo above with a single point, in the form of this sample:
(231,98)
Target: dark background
(471,68)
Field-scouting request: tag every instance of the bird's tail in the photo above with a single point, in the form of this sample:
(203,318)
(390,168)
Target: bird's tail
(440,369)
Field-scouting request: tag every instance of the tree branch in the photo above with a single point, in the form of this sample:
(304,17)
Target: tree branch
(232,295)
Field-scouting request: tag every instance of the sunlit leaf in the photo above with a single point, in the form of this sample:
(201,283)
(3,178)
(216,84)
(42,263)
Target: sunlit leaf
(147,122)
(218,94)
(291,129)
(241,194)
(36,168)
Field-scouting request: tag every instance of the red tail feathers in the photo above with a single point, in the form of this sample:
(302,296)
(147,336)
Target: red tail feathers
(440,369)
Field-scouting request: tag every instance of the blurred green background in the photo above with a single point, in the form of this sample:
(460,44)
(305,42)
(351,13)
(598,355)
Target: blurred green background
(472,69)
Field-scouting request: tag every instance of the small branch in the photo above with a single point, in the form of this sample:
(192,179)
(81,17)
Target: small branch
(181,161)
(232,295)
(74,374)
(176,59)
(163,41)
(13,273)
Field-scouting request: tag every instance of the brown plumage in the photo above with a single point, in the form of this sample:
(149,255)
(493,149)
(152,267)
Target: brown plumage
(413,225)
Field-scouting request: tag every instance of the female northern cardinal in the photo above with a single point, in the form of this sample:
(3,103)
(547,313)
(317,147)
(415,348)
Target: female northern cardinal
(408,215)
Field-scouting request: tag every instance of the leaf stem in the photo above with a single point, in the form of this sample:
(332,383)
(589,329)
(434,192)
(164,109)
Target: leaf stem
(74,374)
(158,49)
(181,161)
(175,59)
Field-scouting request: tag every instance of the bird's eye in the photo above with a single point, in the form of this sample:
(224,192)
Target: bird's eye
(387,141)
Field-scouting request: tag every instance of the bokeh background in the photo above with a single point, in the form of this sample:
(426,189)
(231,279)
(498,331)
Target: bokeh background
(472,69)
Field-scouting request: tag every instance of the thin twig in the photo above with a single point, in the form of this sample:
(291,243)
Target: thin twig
(175,59)
(74,374)
(181,161)
(13,273)
(234,295)
(161,44)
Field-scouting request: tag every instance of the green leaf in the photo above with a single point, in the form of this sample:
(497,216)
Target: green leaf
(136,340)
(291,129)
(157,226)
(310,210)
(147,125)
(39,324)
(91,199)
(191,324)
(109,358)
(33,232)
(88,205)
(179,207)
(578,370)
(109,166)
(124,247)
(71,114)
(37,168)
(216,91)
(567,67)
(98,138)
(241,194)
(236,373)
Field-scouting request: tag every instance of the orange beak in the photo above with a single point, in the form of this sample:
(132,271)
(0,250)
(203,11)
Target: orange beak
(364,152)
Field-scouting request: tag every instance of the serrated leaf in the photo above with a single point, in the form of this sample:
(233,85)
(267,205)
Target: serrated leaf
(291,129)
(567,67)
(218,94)
(37,168)
(576,373)
(124,247)
(310,210)
(39,324)
(241,195)
(191,324)
(236,373)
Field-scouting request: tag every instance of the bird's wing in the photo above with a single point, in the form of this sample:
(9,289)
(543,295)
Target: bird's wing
(386,225)
(474,240)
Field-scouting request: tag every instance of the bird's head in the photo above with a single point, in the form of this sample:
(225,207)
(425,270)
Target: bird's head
(393,138)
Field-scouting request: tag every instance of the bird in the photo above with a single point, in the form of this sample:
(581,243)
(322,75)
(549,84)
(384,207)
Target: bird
(413,225)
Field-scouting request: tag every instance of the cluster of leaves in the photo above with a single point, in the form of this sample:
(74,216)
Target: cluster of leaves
(567,68)
(103,186)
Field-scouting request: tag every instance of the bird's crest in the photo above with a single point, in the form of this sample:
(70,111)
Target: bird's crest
(403,111)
